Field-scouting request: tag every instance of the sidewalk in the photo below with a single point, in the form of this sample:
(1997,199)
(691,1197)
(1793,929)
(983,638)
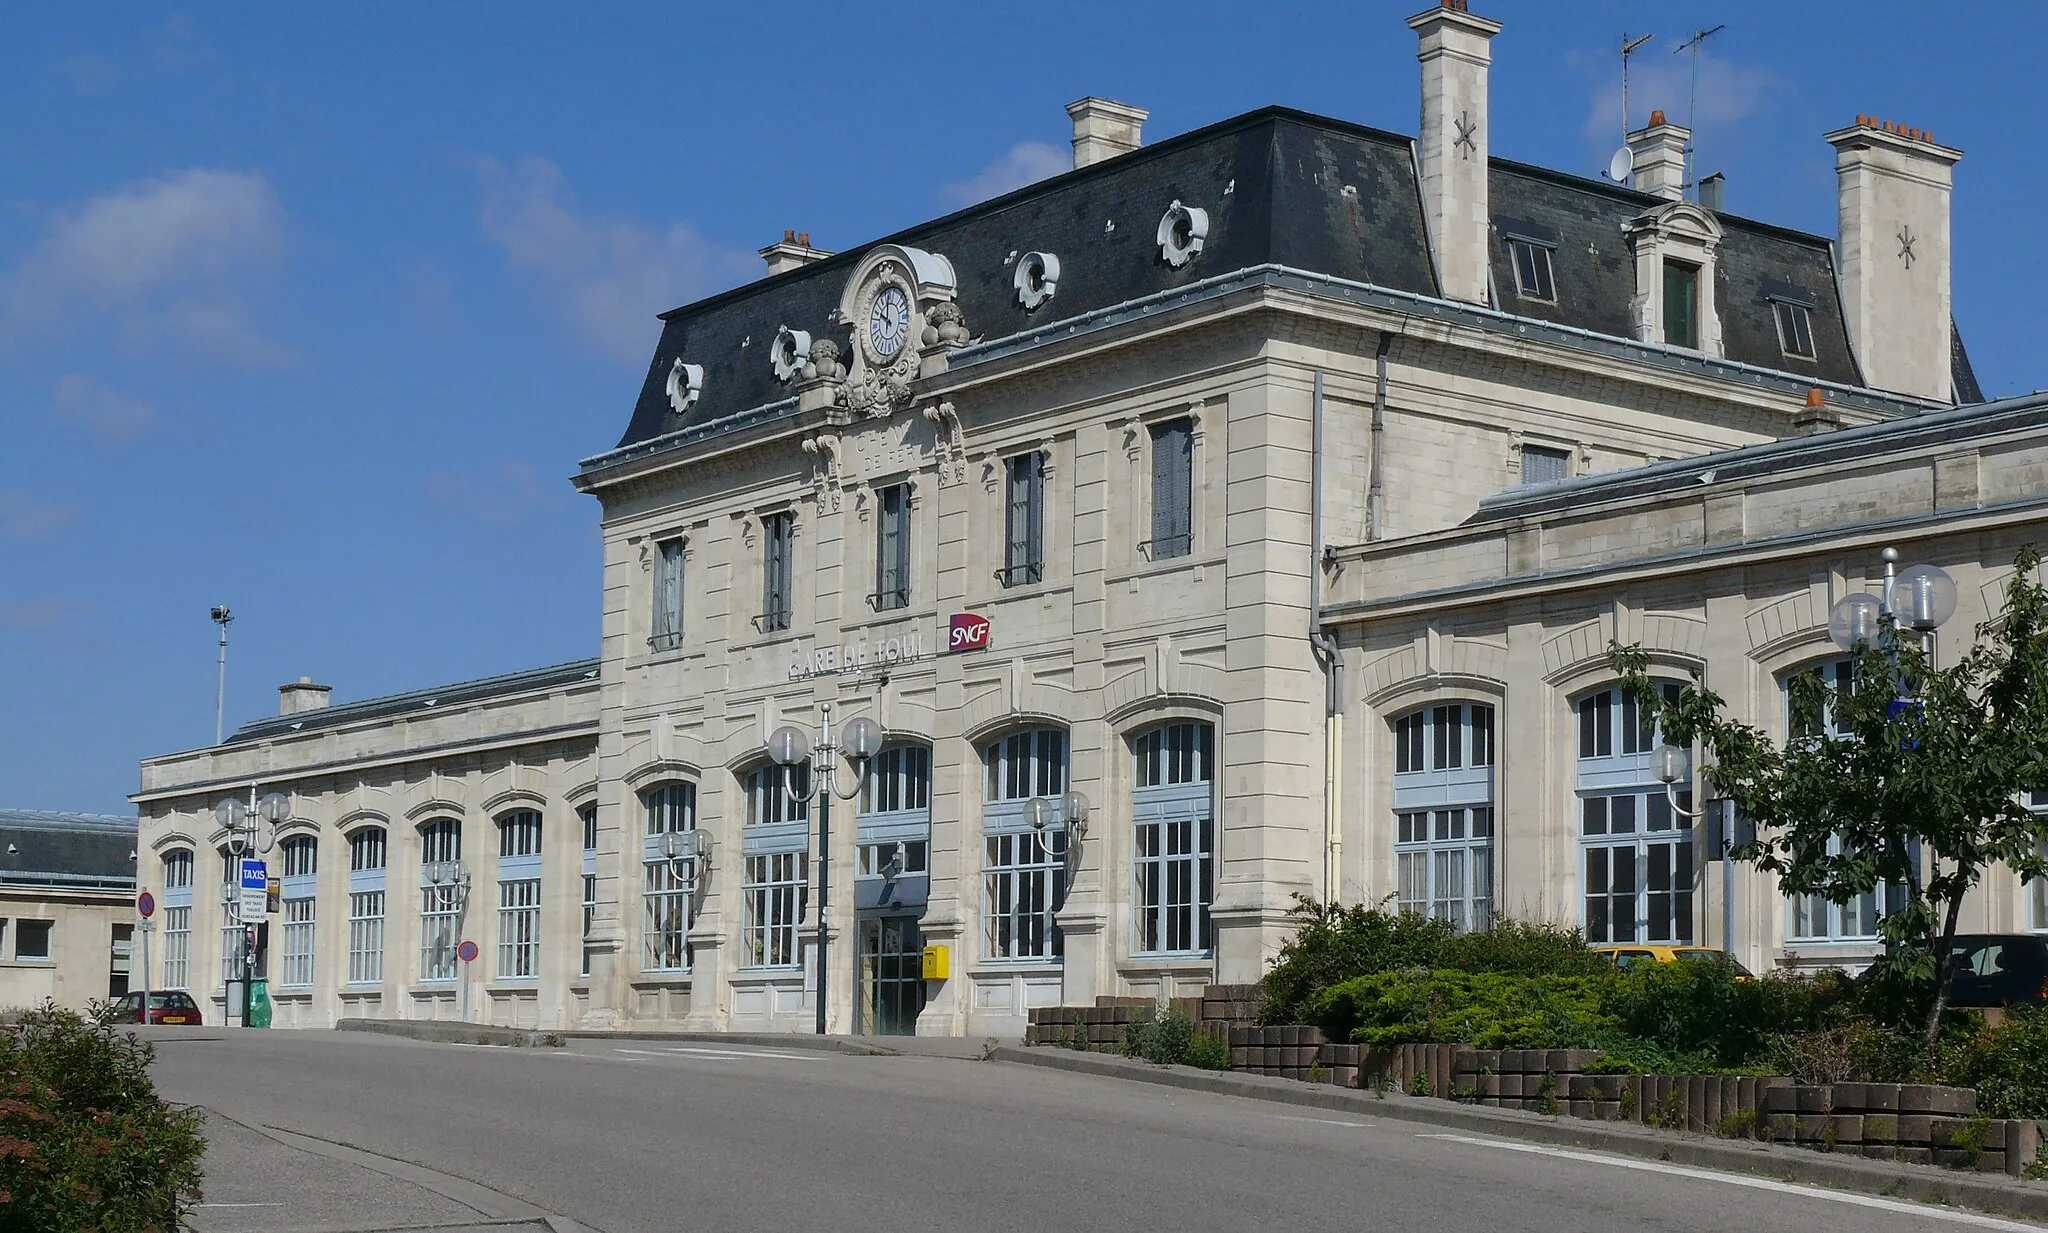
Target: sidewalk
(278,1182)
(973,1048)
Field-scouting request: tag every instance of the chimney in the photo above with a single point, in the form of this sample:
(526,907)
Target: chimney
(1659,152)
(1895,184)
(1455,49)
(1713,190)
(793,253)
(302,695)
(1816,416)
(1105,129)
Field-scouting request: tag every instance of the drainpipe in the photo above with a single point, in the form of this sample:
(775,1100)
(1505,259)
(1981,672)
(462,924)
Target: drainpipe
(1376,490)
(1325,648)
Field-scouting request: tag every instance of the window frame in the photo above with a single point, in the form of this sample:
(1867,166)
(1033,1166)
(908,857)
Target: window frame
(778,572)
(366,910)
(892,548)
(1024,883)
(46,928)
(1689,274)
(1444,810)
(1541,284)
(667,898)
(1561,456)
(1023,519)
(775,887)
(441,906)
(1615,748)
(177,962)
(1794,319)
(1173,839)
(665,618)
(1173,476)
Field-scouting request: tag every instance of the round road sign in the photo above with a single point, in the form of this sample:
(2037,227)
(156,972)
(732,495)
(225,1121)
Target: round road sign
(466,952)
(145,905)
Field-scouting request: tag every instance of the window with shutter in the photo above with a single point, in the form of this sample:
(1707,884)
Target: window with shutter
(778,538)
(1173,457)
(1023,540)
(666,632)
(892,549)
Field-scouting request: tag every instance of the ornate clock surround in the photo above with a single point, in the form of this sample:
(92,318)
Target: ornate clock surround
(878,383)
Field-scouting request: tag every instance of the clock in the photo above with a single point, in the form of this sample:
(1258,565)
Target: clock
(888,323)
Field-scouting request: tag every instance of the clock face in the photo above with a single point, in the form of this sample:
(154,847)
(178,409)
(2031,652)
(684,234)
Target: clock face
(889,323)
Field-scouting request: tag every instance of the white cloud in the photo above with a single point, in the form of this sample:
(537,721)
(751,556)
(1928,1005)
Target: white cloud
(24,517)
(1027,162)
(168,263)
(607,276)
(111,414)
(1729,93)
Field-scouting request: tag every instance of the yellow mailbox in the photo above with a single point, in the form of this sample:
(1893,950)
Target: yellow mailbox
(938,962)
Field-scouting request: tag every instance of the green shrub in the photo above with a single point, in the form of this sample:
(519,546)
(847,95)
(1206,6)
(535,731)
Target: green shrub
(1522,949)
(1137,1040)
(1209,1051)
(1483,1009)
(1165,1039)
(1333,944)
(85,1144)
(2008,1064)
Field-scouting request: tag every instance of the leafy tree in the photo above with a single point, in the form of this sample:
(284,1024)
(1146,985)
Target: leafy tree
(1918,759)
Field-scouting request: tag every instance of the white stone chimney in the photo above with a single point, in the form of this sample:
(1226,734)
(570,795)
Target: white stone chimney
(793,253)
(1895,185)
(1659,158)
(1456,50)
(302,695)
(1105,129)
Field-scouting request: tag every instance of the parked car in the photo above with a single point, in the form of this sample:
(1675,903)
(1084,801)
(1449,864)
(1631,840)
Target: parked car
(1997,969)
(1651,952)
(170,1006)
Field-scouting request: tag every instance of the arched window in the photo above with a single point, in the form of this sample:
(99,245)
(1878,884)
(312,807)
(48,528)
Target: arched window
(668,886)
(1024,850)
(299,855)
(366,859)
(1173,818)
(775,864)
(441,897)
(587,815)
(1443,813)
(519,895)
(896,813)
(177,969)
(1636,850)
(1813,918)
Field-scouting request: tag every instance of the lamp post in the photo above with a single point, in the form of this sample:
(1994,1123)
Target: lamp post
(239,819)
(861,740)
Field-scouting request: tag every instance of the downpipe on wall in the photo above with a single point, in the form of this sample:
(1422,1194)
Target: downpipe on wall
(1326,652)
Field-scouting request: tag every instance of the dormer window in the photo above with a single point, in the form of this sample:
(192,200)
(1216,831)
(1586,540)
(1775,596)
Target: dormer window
(1681,304)
(1795,328)
(1533,279)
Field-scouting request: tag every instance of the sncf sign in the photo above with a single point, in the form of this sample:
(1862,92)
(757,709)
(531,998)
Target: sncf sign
(969,633)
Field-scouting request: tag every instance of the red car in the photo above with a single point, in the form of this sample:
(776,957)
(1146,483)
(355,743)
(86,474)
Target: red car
(168,1007)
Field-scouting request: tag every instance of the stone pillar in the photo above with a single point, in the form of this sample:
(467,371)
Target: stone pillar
(1895,185)
(1659,158)
(1456,49)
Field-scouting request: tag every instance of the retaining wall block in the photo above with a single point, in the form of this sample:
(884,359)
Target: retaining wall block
(1880,1098)
(1814,1098)
(1579,1108)
(1917,1129)
(1696,1103)
(2022,1145)
(1781,1127)
(1880,1128)
(1848,1128)
(1913,1155)
(1813,1127)
(1947,1101)
(1240,1057)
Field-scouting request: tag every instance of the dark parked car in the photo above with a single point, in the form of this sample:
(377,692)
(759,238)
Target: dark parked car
(1997,969)
(168,1007)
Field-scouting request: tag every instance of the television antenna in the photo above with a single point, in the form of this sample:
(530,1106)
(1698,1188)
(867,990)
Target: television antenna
(1692,106)
(1623,162)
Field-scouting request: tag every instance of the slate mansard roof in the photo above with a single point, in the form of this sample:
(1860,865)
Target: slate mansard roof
(418,702)
(76,851)
(1282,188)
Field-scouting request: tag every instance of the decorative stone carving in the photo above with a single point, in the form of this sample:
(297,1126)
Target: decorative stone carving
(897,300)
(685,383)
(826,468)
(787,354)
(944,326)
(950,444)
(1182,232)
(824,362)
(1037,277)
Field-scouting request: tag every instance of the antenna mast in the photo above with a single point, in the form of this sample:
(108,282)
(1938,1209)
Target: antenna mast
(1692,107)
(1628,48)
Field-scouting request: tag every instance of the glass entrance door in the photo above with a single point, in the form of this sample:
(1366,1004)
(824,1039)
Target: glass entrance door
(892,975)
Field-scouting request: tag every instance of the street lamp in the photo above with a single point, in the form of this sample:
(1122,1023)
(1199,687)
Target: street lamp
(860,740)
(1920,597)
(240,820)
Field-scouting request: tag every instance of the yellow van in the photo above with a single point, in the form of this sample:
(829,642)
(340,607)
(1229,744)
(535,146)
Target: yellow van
(1652,952)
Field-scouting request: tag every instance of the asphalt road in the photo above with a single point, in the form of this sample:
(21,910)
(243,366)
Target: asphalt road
(652,1137)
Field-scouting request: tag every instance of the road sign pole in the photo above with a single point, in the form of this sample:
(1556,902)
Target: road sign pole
(145,907)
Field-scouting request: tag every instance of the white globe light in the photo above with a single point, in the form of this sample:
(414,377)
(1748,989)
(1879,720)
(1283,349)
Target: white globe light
(230,813)
(789,746)
(1923,597)
(1670,763)
(1853,621)
(1077,808)
(275,807)
(862,737)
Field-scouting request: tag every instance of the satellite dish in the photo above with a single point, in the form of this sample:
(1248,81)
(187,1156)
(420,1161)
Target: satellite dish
(1621,165)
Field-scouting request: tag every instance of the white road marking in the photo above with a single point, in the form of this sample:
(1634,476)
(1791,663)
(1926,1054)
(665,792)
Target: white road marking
(717,1055)
(1923,1210)
(241,1205)
(1318,1121)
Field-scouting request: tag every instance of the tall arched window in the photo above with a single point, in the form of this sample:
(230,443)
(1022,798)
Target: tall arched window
(441,897)
(177,969)
(366,857)
(519,895)
(1443,813)
(1813,918)
(1024,851)
(1173,817)
(299,856)
(1636,851)
(775,865)
(587,815)
(668,885)
(896,813)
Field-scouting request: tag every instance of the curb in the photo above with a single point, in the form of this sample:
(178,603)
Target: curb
(765,1040)
(1982,1192)
(452,1033)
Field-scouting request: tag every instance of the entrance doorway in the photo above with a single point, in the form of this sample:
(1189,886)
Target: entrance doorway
(892,975)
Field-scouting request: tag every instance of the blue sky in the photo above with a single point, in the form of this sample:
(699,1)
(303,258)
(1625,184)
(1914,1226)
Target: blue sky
(312,309)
